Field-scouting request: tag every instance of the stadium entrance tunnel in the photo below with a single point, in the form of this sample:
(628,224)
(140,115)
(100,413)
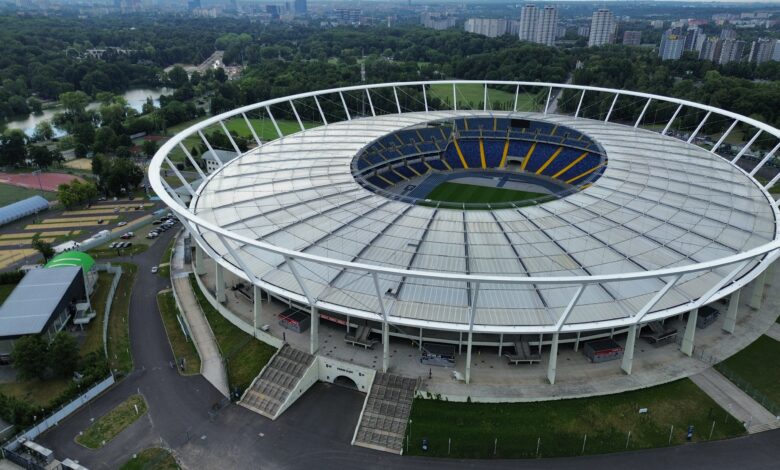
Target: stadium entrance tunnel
(480,162)
(346,382)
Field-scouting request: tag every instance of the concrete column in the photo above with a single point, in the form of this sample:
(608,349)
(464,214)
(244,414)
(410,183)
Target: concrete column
(257,305)
(628,354)
(200,267)
(552,364)
(419,343)
(690,330)
(731,315)
(758,291)
(314,331)
(468,359)
(460,342)
(500,343)
(219,282)
(577,342)
(385,346)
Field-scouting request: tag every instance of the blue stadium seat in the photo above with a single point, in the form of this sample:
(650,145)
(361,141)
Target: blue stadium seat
(378,182)
(390,176)
(437,164)
(450,155)
(470,150)
(404,171)
(589,162)
(494,150)
(419,167)
(541,153)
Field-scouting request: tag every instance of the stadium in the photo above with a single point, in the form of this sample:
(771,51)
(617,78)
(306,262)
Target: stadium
(404,223)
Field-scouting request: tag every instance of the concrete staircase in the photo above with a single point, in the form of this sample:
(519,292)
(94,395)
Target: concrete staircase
(386,411)
(271,391)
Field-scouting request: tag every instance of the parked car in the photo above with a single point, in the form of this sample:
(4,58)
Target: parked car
(154,269)
(116,210)
(100,221)
(121,224)
(113,244)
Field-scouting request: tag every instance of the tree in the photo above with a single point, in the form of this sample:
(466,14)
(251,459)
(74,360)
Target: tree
(12,147)
(43,131)
(63,354)
(149,148)
(177,76)
(75,102)
(35,105)
(74,193)
(43,247)
(105,140)
(30,357)
(41,156)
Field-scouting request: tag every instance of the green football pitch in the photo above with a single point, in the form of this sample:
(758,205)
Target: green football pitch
(469,193)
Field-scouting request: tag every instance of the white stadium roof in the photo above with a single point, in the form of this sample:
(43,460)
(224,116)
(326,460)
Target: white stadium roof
(661,203)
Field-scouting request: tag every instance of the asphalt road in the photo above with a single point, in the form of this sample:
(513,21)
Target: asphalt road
(315,433)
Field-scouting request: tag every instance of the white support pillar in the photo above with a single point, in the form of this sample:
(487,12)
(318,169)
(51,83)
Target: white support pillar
(314,331)
(273,121)
(200,267)
(731,315)
(252,129)
(419,342)
(344,103)
(628,353)
(230,137)
(484,99)
(642,114)
(257,306)
(370,103)
(397,101)
(547,103)
(425,98)
(552,363)
(747,146)
(385,346)
(674,116)
(454,98)
(517,94)
(758,291)
(211,149)
(690,331)
(611,107)
(468,358)
(579,105)
(219,282)
(460,342)
(723,137)
(500,343)
(766,158)
(297,116)
(698,128)
(319,108)
(577,342)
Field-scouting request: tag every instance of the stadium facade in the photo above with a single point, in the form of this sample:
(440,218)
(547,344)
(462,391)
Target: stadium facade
(603,227)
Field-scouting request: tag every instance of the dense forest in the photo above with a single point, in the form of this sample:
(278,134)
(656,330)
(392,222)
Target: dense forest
(46,59)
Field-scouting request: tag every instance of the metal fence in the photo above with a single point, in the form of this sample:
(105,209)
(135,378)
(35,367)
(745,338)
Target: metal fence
(62,413)
(752,391)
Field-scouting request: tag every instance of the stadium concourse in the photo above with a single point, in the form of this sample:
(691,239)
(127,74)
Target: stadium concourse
(592,257)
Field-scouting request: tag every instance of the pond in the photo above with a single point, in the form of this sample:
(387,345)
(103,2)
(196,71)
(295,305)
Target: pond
(135,99)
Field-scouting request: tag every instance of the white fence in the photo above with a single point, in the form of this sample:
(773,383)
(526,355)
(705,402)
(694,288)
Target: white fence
(117,270)
(61,414)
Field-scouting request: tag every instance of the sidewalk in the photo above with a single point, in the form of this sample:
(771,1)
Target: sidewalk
(211,367)
(738,403)
(774,332)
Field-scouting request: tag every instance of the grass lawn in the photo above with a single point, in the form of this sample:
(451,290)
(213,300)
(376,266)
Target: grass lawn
(36,392)
(245,355)
(265,128)
(10,193)
(470,96)
(562,424)
(179,344)
(757,369)
(112,423)
(119,355)
(5,291)
(105,252)
(469,193)
(94,337)
(151,459)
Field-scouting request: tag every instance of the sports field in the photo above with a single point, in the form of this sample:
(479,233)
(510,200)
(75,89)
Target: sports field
(470,96)
(470,193)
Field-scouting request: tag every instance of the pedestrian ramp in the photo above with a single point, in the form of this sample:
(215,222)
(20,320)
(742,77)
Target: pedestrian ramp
(382,424)
(288,374)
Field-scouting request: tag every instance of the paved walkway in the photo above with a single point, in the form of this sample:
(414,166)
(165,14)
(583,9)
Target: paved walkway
(738,403)
(211,366)
(774,332)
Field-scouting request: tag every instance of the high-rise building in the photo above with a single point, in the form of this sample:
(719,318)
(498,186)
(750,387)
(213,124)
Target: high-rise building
(762,50)
(672,45)
(632,38)
(437,21)
(728,34)
(657,24)
(692,38)
(537,25)
(547,26)
(490,27)
(732,50)
(711,48)
(301,8)
(528,17)
(602,28)
(776,51)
